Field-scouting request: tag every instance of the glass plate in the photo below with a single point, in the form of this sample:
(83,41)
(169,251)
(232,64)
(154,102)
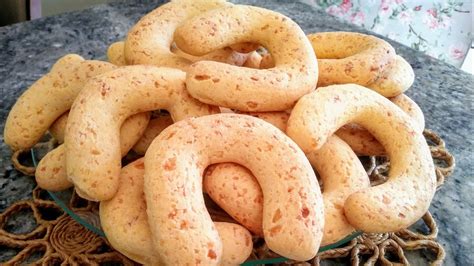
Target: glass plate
(90,222)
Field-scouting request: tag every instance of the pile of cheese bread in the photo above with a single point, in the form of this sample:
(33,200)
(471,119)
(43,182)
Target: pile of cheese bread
(259,114)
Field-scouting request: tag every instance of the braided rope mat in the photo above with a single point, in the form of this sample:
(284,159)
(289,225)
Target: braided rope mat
(59,240)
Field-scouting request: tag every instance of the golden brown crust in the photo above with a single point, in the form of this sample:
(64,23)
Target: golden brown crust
(293,216)
(411,184)
(247,89)
(92,137)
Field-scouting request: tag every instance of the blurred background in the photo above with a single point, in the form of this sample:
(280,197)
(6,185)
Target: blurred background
(439,28)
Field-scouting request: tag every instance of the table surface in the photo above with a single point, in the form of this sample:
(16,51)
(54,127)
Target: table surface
(445,94)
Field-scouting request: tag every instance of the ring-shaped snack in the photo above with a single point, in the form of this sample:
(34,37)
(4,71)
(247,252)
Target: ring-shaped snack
(92,136)
(51,171)
(406,195)
(294,75)
(235,189)
(349,57)
(125,223)
(149,41)
(365,144)
(47,99)
(293,215)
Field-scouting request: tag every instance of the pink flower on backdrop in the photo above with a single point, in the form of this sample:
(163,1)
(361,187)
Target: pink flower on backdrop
(345,6)
(433,12)
(406,17)
(357,18)
(385,7)
(430,21)
(417,8)
(457,51)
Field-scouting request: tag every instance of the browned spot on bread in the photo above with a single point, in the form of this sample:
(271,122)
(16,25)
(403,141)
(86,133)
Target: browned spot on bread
(304,212)
(212,254)
(276,216)
(275,230)
(252,105)
(170,164)
(140,165)
(202,77)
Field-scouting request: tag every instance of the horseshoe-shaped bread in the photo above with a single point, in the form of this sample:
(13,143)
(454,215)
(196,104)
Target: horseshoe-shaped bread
(293,216)
(349,57)
(397,78)
(342,174)
(51,171)
(126,226)
(246,89)
(363,143)
(411,184)
(235,189)
(92,133)
(150,40)
(47,99)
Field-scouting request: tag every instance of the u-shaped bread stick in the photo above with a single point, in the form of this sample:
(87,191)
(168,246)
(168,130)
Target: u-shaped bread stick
(48,98)
(126,225)
(364,143)
(92,136)
(51,171)
(235,189)
(395,79)
(293,216)
(246,89)
(349,57)
(411,184)
(149,41)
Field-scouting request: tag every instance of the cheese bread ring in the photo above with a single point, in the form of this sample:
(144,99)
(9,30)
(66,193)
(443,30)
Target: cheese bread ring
(235,189)
(92,137)
(125,223)
(411,184)
(115,55)
(349,57)
(397,78)
(293,216)
(363,143)
(47,99)
(149,41)
(358,138)
(51,171)
(294,75)
(342,174)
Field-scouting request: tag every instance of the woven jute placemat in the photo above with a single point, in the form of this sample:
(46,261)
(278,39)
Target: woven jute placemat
(57,239)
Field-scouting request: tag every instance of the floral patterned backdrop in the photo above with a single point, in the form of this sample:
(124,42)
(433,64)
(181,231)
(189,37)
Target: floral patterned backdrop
(440,28)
